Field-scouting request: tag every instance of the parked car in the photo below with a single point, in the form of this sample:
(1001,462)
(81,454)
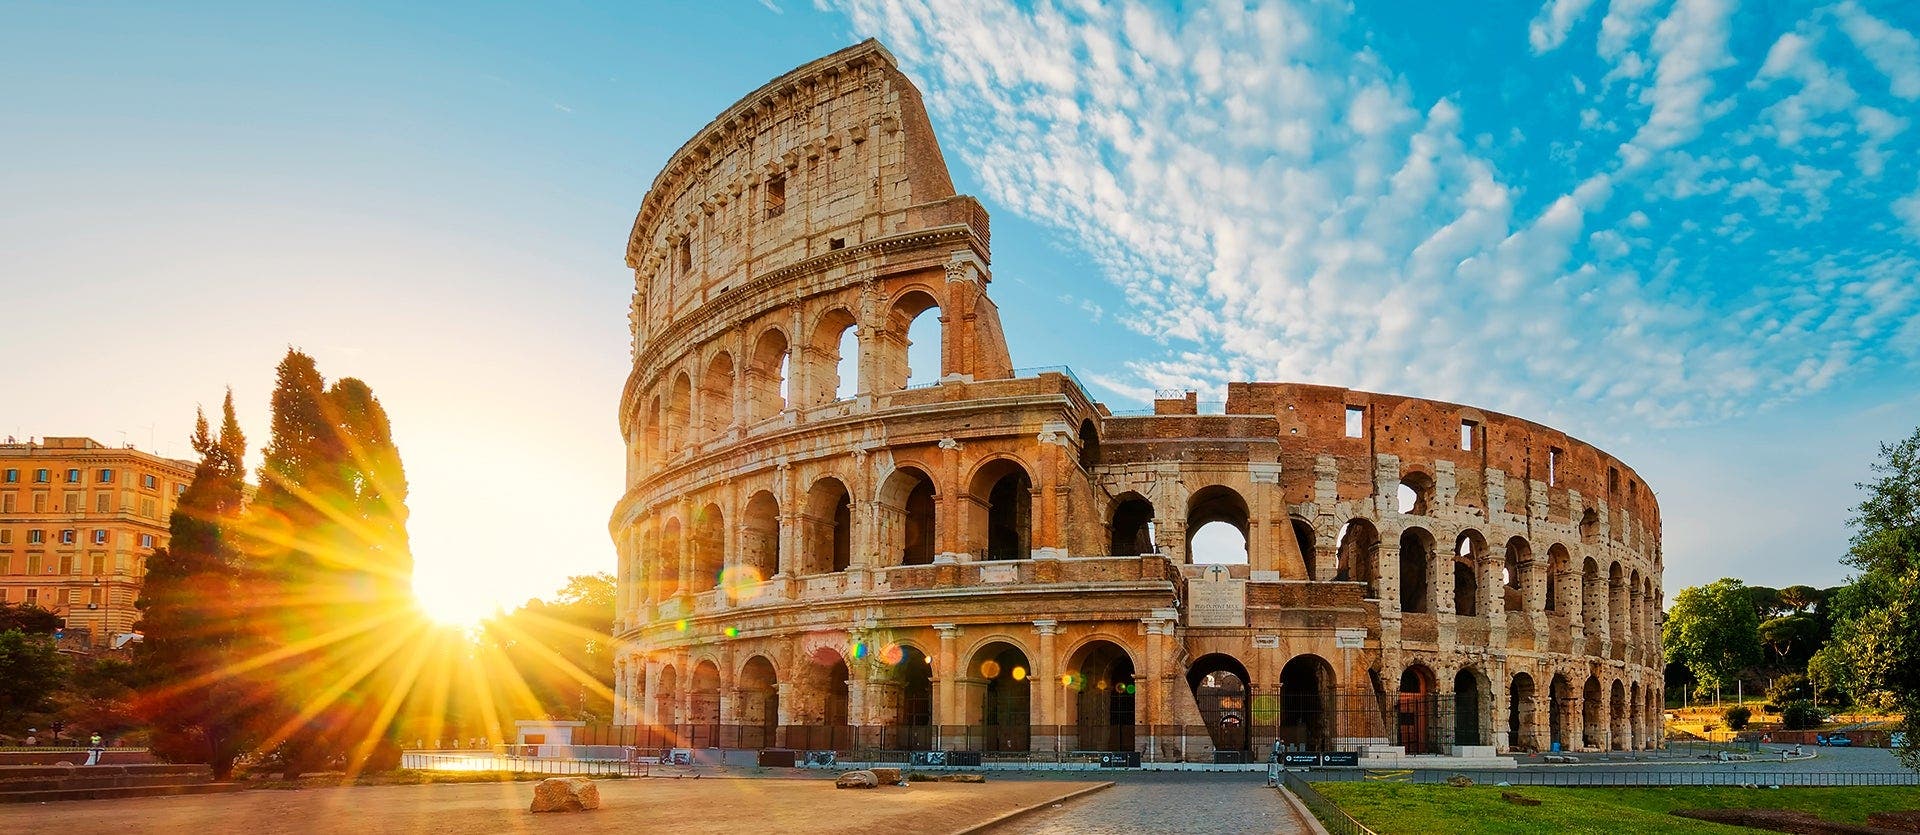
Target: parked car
(1834,740)
(1898,739)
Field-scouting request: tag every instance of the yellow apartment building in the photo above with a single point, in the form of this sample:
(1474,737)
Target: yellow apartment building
(78,520)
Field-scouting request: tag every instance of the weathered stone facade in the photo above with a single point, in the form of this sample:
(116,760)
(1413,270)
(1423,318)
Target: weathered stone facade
(999,560)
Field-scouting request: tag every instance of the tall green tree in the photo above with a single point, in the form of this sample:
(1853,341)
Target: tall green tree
(192,658)
(31,670)
(1713,630)
(562,649)
(328,548)
(1877,617)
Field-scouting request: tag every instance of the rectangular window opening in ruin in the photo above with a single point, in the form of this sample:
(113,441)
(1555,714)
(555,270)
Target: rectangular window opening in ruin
(1356,416)
(836,243)
(776,195)
(1553,466)
(1613,482)
(683,256)
(1466,434)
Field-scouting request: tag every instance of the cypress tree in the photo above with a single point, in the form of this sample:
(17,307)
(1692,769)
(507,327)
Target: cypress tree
(194,643)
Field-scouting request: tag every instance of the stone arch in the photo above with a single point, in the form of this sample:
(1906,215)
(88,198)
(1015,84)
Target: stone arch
(1131,526)
(826,527)
(709,547)
(652,436)
(1622,735)
(912,313)
(666,697)
(1305,540)
(832,332)
(1472,707)
(997,689)
(1469,552)
(1415,495)
(1100,684)
(1617,624)
(703,695)
(760,539)
(1089,444)
(1589,527)
(716,396)
(668,575)
(1358,559)
(824,701)
(1516,579)
(1637,723)
(679,412)
(1000,524)
(912,673)
(767,373)
(1522,721)
(1308,712)
(1219,504)
(1416,557)
(758,706)
(1419,710)
(1593,603)
(1224,693)
(1592,718)
(907,516)
(1563,709)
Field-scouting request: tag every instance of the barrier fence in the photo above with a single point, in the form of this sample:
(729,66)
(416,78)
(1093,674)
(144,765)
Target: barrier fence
(1734,775)
(1334,818)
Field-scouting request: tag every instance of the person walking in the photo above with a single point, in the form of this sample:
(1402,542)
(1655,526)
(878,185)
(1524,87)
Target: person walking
(95,749)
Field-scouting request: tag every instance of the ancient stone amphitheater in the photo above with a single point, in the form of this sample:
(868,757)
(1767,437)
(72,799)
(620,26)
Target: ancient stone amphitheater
(817,554)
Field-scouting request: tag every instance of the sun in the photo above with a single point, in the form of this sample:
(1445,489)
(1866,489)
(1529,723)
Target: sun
(450,605)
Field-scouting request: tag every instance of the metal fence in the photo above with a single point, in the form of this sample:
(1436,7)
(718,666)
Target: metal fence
(451,761)
(1334,818)
(1736,775)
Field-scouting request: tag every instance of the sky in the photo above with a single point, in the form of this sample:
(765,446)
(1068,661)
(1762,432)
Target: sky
(1687,231)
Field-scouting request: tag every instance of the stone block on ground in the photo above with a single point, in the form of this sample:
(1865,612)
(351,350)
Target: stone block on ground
(1459,781)
(963,778)
(857,780)
(886,776)
(565,794)
(1518,799)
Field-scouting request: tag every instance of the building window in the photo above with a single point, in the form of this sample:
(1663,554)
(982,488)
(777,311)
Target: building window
(106,476)
(179,489)
(73,596)
(33,563)
(72,502)
(99,564)
(36,536)
(101,502)
(1356,420)
(6,538)
(776,195)
(146,540)
(99,536)
(73,476)
(147,509)
(33,597)
(69,536)
(13,476)
(149,482)
(66,563)
(42,476)
(93,597)
(6,503)
(39,503)
(1467,428)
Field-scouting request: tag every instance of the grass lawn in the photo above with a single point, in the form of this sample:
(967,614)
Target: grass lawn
(1407,808)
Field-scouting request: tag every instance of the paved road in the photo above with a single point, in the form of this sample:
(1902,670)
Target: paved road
(1168,802)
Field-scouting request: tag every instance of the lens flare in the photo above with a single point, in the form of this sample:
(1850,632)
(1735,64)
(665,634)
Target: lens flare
(1019,674)
(859,650)
(989,669)
(893,654)
(742,583)
(733,631)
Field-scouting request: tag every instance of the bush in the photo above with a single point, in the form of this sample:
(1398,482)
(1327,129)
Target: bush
(1791,687)
(1800,715)
(1769,708)
(1737,717)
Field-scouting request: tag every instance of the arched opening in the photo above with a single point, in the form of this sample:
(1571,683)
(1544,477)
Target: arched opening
(906,517)
(1416,553)
(1132,528)
(1217,527)
(1307,703)
(821,717)
(1516,575)
(1558,562)
(999,688)
(760,541)
(1416,493)
(1419,710)
(767,376)
(1304,540)
(709,547)
(913,674)
(1002,510)
(703,700)
(1468,552)
(716,396)
(1593,731)
(1358,558)
(1561,712)
(1637,724)
(1593,600)
(1089,445)
(828,527)
(1590,527)
(1520,714)
(913,333)
(1617,710)
(679,411)
(1220,688)
(834,359)
(1100,679)
(1616,605)
(667,579)
(666,697)
(1468,703)
(759,707)
(654,439)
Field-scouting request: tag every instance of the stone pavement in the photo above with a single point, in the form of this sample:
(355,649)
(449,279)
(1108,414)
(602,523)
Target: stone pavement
(1168,802)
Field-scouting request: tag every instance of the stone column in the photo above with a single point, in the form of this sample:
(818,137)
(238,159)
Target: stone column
(1044,686)
(945,670)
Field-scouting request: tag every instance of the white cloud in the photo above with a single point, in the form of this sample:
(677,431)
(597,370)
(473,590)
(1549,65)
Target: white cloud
(1894,52)
(1625,22)
(1555,21)
(1907,209)
(1689,45)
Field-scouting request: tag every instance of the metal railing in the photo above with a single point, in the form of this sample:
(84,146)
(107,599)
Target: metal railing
(1736,775)
(1334,818)
(481,761)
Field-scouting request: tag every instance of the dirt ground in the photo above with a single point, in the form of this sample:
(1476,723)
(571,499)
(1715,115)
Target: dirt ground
(634,805)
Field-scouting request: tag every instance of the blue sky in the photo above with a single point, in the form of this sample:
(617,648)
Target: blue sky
(1685,230)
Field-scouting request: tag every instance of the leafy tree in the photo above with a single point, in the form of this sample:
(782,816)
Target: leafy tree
(561,647)
(1792,638)
(328,549)
(1766,601)
(1799,716)
(1737,717)
(197,697)
(1714,631)
(1800,598)
(1792,687)
(31,670)
(28,618)
(100,695)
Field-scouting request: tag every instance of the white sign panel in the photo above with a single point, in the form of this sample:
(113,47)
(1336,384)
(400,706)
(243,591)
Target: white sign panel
(1217,602)
(1350,638)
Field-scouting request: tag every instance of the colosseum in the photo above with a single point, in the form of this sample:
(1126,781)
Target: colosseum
(817,552)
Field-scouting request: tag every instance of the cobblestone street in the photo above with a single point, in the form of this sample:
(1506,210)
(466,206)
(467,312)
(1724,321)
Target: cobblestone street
(1168,803)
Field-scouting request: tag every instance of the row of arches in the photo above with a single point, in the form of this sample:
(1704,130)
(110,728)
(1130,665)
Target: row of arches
(717,392)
